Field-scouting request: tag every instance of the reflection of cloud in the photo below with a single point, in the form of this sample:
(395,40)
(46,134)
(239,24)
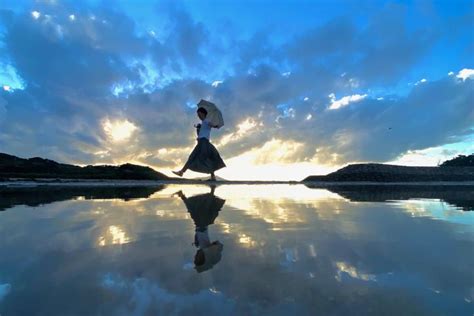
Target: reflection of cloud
(143,296)
(434,208)
(273,204)
(246,241)
(344,267)
(291,256)
(235,192)
(4,290)
(114,236)
(150,275)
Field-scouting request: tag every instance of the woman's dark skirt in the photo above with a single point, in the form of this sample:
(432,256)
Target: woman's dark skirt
(204,158)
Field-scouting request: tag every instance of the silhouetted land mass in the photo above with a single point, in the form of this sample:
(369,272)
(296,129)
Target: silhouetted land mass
(40,195)
(34,168)
(373,172)
(12,167)
(460,161)
(461,196)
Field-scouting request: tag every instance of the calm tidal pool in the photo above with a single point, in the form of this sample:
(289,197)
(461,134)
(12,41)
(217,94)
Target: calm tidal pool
(267,249)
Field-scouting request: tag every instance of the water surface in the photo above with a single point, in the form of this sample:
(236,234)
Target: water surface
(286,249)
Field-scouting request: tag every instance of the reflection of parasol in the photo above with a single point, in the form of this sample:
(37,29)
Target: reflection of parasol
(212,255)
(214,115)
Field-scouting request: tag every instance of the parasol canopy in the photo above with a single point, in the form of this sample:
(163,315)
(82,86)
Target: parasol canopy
(214,115)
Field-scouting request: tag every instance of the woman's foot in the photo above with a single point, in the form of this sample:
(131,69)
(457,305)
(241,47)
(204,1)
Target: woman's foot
(179,193)
(178,173)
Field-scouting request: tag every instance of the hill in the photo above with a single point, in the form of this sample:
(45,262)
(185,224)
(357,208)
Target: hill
(460,161)
(34,168)
(373,172)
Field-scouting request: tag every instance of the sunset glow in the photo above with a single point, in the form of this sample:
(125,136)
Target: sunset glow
(118,130)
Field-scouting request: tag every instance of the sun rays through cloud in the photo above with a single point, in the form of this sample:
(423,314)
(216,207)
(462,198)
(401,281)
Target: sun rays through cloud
(118,130)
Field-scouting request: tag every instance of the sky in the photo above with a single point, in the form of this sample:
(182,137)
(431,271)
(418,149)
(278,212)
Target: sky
(305,87)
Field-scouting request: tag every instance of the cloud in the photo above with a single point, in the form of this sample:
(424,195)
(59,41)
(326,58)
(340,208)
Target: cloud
(67,94)
(119,130)
(465,74)
(344,101)
(420,81)
(216,83)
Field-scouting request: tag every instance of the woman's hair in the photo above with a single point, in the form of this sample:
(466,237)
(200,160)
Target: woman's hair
(202,110)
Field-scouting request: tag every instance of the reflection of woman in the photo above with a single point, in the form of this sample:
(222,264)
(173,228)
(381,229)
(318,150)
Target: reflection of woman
(204,209)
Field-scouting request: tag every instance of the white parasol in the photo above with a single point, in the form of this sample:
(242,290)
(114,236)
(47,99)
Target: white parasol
(214,115)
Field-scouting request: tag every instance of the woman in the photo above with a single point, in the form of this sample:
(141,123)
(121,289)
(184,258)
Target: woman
(204,158)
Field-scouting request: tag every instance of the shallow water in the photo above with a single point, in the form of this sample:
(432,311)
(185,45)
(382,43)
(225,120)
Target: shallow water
(287,249)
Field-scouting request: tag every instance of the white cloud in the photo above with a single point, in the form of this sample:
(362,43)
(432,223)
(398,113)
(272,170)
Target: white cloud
(450,73)
(216,83)
(421,81)
(465,74)
(354,83)
(344,101)
(306,99)
(6,88)
(308,117)
(243,129)
(72,17)
(35,14)
(286,74)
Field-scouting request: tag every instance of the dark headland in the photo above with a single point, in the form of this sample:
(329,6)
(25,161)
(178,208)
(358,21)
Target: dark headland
(12,167)
(372,172)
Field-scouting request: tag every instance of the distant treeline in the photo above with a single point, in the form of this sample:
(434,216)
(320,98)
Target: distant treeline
(460,161)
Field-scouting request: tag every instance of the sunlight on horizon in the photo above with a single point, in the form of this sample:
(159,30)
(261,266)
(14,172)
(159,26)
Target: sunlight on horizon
(270,162)
(240,170)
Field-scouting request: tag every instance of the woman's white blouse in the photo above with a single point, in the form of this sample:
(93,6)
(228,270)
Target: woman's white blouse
(205,130)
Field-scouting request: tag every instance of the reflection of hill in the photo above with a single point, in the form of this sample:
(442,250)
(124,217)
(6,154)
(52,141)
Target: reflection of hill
(34,196)
(459,196)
